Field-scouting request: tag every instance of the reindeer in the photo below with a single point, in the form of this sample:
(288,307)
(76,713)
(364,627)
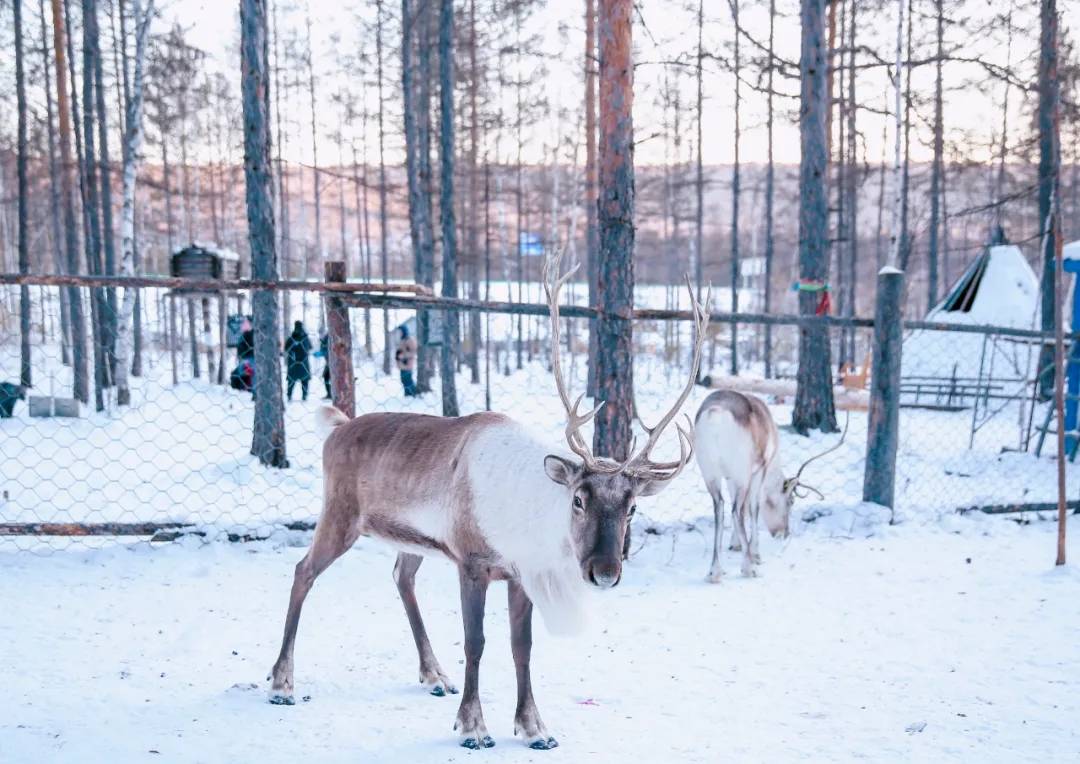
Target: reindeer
(486,494)
(736,439)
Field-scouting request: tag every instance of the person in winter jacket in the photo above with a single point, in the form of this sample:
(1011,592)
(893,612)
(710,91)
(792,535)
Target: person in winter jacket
(245,348)
(298,367)
(406,360)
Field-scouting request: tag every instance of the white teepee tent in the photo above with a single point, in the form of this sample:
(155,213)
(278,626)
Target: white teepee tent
(999,288)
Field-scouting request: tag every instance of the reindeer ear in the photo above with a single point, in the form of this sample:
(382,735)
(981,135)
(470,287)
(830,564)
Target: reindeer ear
(562,471)
(647,487)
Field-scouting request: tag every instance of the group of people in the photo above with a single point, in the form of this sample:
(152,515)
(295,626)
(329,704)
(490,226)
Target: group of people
(298,353)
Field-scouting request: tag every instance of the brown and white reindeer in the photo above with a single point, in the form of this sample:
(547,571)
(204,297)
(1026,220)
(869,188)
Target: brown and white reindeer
(735,439)
(491,497)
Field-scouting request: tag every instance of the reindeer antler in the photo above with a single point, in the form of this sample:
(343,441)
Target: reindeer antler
(553,284)
(640,464)
(637,464)
(795,482)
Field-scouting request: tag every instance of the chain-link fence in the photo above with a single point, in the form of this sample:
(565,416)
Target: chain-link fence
(177,459)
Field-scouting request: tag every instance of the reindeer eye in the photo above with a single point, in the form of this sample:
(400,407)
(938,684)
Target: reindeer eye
(633,509)
(578,503)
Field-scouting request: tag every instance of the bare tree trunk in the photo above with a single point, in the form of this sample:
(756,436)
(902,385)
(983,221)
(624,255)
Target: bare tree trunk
(615,363)
(520,189)
(699,184)
(133,138)
(363,227)
(905,207)
(735,179)
(1049,160)
(896,235)
(813,398)
(108,324)
(71,244)
(383,236)
(425,360)
(365,206)
(268,441)
(852,178)
(284,239)
(770,189)
(472,227)
(937,167)
(592,243)
(25,376)
(415,105)
(91,210)
(319,253)
(997,206)
(54,193)
(448,364)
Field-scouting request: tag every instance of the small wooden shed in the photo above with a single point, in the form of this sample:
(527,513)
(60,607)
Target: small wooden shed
(197,261)
(204,263)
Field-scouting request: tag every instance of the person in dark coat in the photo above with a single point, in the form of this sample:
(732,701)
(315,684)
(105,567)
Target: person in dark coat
(243,376)
(245,348)
(297,350)
(324,353)
(406,360)
(9,393)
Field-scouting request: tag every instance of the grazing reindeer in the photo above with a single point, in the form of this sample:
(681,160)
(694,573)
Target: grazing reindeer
(736,439)
(484,493)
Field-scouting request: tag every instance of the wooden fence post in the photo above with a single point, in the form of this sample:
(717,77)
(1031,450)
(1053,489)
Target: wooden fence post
(340,344)
(883,430)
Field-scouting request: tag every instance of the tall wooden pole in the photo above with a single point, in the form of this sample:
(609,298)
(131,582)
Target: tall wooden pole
(342,384)
(615,361)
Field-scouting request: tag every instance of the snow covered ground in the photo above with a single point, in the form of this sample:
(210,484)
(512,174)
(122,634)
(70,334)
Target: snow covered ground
(939,638)
(946,642)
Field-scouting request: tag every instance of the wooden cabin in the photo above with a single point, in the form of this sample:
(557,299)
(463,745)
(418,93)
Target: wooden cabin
(197,261)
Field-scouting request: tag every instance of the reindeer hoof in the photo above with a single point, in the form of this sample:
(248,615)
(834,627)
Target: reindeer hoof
(714,578)
(544,745)
(440,687)
(749,573)
(474,744)
(282,700)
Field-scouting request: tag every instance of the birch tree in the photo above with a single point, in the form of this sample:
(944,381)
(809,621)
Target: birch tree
(133,139)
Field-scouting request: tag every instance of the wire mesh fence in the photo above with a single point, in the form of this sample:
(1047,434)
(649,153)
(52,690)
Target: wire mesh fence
(177,459)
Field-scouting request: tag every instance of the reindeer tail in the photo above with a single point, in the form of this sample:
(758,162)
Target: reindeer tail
(327,418)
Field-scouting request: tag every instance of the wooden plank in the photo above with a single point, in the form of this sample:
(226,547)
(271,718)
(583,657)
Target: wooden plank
(1004,509)
(165,531)
(845,398)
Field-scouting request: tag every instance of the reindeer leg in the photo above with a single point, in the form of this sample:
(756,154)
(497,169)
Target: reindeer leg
(755,554)
(735,545)
(325,548)
(526,718)
(716,570)
(431,674)
(740,528)
(470,717)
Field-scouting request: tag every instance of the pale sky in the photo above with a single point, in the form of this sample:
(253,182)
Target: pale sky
(663,30)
